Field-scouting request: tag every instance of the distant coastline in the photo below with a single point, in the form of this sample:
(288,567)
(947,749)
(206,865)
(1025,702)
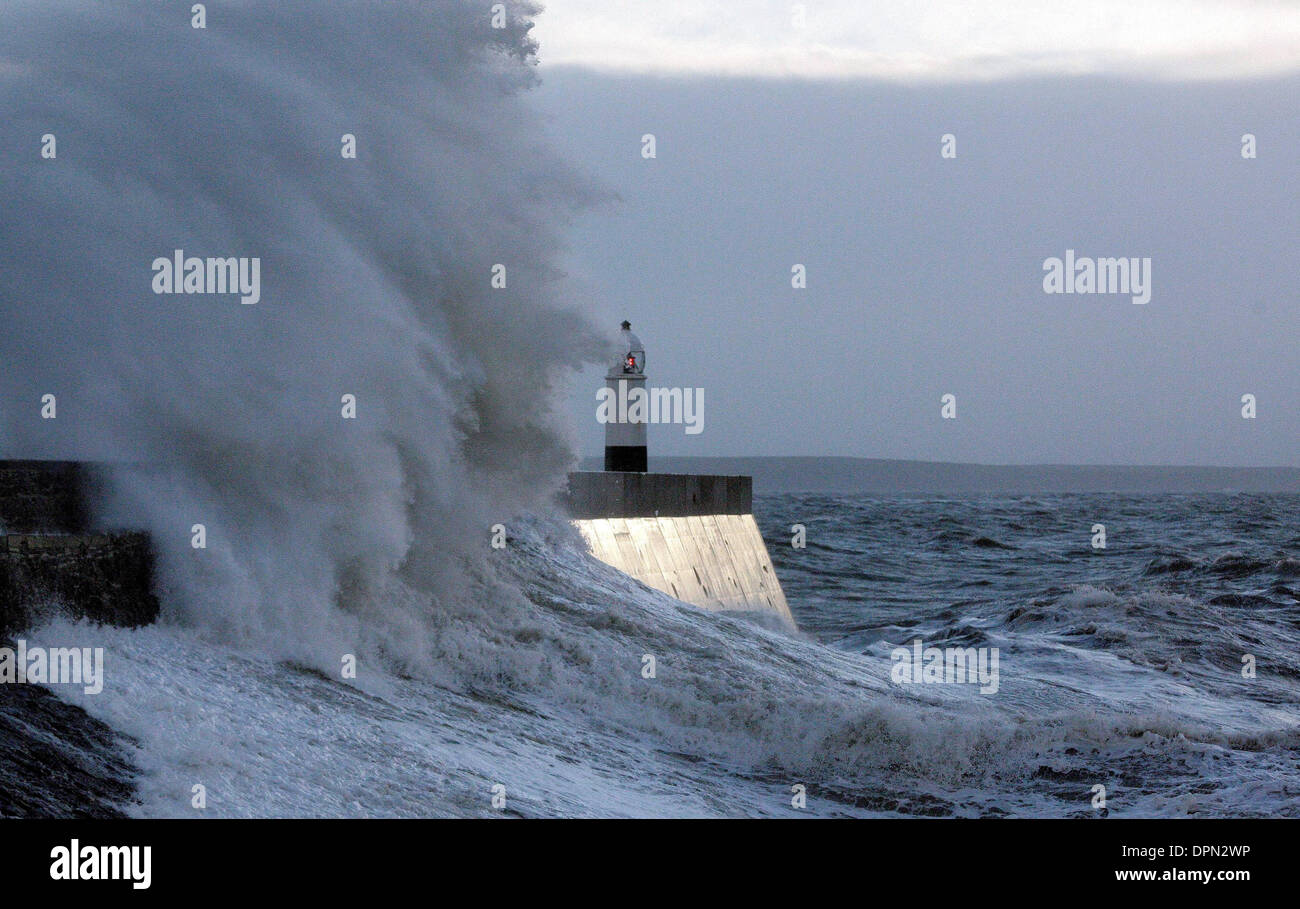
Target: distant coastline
(877,475)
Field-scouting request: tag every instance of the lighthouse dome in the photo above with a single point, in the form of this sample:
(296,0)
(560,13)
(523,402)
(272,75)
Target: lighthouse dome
(631,353)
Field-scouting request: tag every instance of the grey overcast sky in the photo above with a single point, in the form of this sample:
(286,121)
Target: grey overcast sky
(1115,134)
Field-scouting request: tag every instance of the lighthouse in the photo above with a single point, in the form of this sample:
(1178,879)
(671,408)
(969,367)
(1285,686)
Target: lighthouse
(625,448)
(692,536)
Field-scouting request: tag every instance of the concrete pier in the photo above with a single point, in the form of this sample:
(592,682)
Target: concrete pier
(595,494)
(51,562)
(690,536)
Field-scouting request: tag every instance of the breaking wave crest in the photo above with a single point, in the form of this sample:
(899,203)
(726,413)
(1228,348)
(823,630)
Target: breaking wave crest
(322,533)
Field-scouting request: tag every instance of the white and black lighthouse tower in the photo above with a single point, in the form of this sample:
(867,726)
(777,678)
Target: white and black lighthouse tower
(625,435)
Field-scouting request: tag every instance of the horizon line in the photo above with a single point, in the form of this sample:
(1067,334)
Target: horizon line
(973,463)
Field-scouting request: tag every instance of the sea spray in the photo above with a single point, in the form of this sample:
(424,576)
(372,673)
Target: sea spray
(228,142)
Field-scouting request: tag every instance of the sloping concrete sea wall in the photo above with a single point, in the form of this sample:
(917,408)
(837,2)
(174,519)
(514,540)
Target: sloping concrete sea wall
(691,536)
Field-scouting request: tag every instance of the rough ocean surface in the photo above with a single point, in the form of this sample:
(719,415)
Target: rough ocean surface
(1119,667)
